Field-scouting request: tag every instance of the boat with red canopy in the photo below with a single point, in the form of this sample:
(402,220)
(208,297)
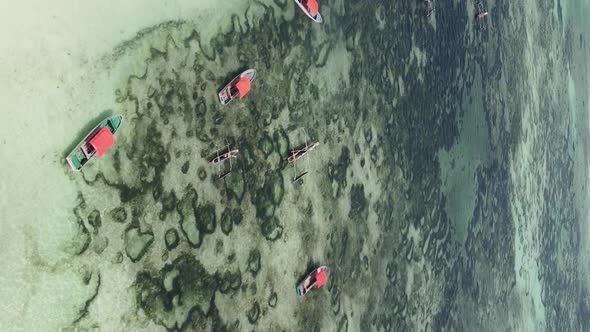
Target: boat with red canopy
(311,8)
(238,87)
(315,279)
(96,143)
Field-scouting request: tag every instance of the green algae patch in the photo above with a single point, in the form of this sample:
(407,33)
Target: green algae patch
(188,222)
(254,313)
(169,296)
(137,243)
(118,215)
(271,229)
(171,238)
(95,220)
(253,264)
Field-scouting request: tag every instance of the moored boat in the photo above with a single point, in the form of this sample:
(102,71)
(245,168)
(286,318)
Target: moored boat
(221,156)
(311,9)
(315,279)
(98,141)
(238,87)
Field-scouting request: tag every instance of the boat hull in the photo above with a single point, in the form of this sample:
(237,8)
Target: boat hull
(77,158)
(318,18)
(225,96)
(301,290)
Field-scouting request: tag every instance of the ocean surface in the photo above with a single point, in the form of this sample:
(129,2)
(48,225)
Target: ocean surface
(449,190)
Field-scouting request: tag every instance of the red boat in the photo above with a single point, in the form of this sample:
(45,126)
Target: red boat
(238,87)
(316,279)
(311,9)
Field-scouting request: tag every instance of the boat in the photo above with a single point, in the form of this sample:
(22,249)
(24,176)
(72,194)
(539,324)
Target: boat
(297,154)
(238,87)
(315,279)
(220,157)
(311,9)
(96,143)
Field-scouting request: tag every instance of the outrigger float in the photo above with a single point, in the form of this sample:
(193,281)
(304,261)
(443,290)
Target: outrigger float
(238,87)
(316,279)
(297,154)
(311,9)
(220,157)
(96,143)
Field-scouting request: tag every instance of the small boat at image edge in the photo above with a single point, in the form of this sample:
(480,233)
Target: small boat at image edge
(97,142)
(315,279)
(310,7)
(238,87)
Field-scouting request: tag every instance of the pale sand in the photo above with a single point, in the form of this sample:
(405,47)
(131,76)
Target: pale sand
(52,85)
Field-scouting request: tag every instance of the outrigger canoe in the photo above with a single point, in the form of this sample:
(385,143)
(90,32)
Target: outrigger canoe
(238,87)
(316,279)
(311,9)
(96,143)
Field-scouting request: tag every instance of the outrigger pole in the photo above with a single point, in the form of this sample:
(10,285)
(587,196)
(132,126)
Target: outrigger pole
(222,158)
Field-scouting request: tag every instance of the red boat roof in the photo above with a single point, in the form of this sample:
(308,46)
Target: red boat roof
(243,86)
(313,7)
(102,141)
(321,278)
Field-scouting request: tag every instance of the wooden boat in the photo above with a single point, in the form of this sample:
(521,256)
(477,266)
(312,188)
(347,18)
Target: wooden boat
(220,157)
(311,9)
(297,154)
(238,87)
(316,279)
(97,142)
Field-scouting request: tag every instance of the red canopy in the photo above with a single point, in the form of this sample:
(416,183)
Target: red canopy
(102,141)
(243,86)
(320,277)
(313,7)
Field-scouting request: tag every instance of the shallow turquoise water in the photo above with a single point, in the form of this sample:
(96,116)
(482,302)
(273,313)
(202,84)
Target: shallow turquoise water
(447,191)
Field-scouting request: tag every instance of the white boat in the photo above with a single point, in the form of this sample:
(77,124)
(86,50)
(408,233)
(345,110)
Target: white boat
(309,6)
(315,279)
(238,87)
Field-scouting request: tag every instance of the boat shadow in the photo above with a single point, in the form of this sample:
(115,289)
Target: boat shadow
(86,129)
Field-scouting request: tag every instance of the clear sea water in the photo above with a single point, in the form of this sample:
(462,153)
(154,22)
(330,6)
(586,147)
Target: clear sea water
(448,192)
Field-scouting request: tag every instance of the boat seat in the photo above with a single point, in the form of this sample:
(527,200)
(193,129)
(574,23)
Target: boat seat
(233,91)
(88,150)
